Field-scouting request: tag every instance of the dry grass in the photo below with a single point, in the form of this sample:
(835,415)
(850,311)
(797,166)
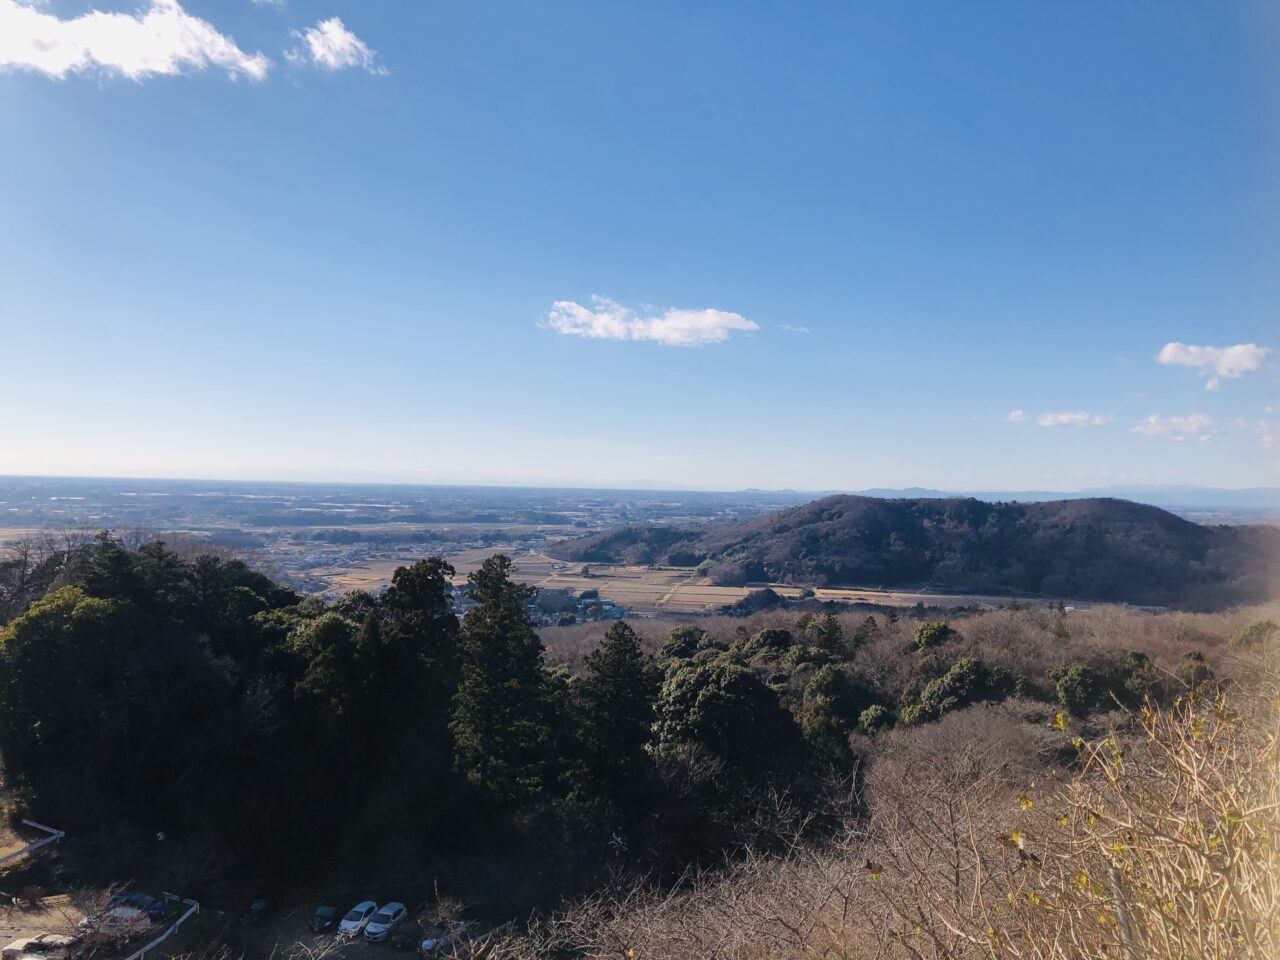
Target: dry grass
(1163,842)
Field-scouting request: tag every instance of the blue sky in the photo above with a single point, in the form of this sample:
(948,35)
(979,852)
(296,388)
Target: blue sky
(320,239)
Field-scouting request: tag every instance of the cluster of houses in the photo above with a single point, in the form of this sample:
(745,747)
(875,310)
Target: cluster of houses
(551,608)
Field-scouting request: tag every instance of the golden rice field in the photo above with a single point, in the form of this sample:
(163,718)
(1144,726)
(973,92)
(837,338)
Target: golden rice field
(648,590)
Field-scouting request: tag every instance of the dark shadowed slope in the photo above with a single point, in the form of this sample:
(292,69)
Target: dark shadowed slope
(1101,549)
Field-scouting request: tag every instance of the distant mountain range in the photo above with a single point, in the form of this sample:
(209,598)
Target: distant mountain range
(1250,499)
(1087,548)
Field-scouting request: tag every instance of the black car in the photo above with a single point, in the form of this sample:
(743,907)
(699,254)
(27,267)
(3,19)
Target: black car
(257,910)
(406,937)
(323,919)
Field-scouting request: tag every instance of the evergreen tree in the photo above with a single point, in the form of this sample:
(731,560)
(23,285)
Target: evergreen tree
(829,712)
(727,711)
(500,723)
(418,623)
(827,635)
(616,698)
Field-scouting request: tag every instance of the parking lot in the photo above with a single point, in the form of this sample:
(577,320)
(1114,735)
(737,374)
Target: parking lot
(54,914)
(281,932)
(33,901)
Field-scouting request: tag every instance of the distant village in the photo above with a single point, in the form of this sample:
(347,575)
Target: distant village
(553,608)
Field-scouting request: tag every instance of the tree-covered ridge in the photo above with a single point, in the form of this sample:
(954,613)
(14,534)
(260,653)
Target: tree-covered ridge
(266,733)
(1095,549)
(142,693)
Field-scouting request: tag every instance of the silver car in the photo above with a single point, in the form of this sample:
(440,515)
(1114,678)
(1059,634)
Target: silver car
(357,918)
(383,923)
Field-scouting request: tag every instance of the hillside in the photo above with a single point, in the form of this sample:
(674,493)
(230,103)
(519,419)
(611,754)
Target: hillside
(1101,549)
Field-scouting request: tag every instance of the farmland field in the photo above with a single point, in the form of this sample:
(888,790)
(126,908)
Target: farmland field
(680,590)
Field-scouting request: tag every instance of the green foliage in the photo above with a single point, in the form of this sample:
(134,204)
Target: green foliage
(1135,679)
(113,709)
(682,642)
(500,723)
(829,712)
(152,691)
(874,719)
(931,634)
(727,711)
(617,696)
(327,647)
(824,633)
(1193,670)
(763,647)
(1077,687)
(1262,633)
(968,681)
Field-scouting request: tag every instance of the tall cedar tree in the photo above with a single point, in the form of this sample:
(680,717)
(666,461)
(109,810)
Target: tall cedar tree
(500,717)
(617,697)
(415,647)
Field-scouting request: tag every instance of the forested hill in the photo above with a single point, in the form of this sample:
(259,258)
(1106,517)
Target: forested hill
(1101,549)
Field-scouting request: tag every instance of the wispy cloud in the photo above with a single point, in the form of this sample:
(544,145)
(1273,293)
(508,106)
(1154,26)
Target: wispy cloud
(161,40)
(1268,432)
(1074,418)
(1217,363)
(1015,416)
(331,46)
(608,320)
(790,329)
(1197,426)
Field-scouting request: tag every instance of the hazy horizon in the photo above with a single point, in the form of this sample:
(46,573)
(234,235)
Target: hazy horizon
(874,489)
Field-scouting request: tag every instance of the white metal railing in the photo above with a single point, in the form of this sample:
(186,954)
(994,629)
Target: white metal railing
(192,908)
(54,837)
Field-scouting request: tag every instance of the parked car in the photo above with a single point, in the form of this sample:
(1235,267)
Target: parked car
(118,923)
(357,918)
(255,913)
(44,943)
(384,923)
(153,908)
(407,937)
(126,914)
(323,919)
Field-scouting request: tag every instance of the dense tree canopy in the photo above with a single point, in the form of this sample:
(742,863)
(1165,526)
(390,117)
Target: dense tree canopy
(144,692)
(501,722)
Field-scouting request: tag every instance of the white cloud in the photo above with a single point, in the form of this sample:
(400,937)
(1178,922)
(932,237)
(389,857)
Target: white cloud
(1076,418)
(790,329)
(162,39)
(1230,363)
(1015,416)
(607,320)
(1268,432)
(1198,426)
(331,46)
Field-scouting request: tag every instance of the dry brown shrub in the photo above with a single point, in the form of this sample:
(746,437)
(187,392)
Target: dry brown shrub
(1164,843)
